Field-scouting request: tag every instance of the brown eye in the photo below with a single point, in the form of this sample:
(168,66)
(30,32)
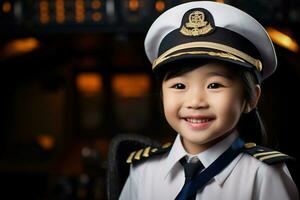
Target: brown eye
(178,86)
(214,86)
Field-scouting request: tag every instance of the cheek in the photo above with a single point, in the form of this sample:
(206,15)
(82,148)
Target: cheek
(168,104)
(229,106)
(171,107)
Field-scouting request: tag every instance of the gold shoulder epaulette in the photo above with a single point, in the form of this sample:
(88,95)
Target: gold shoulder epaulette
(147,152)
(265,154)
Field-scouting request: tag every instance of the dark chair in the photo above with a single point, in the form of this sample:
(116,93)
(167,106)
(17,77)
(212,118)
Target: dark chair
(117,168)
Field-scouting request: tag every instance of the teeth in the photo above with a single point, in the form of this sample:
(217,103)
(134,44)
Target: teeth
(196,121)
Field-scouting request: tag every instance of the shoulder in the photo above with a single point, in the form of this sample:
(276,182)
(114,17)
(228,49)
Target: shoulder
(146,161)
(148,153)
(266,180)
(272,179)
(265,154)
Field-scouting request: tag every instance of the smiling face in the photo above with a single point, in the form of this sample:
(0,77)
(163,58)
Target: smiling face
(203,105)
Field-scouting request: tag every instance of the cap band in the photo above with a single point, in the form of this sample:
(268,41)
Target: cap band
(228,52)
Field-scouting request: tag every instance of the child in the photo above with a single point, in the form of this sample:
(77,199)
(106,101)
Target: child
(210,59)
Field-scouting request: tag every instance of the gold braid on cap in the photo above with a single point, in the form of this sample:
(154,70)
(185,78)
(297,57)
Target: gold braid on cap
(227,52)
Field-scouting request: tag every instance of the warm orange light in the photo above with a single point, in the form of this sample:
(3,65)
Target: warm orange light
(20,46)
(44,19)
(79,11)
(220,1)
(96,16)
(96,4)
(6,7)
(283,40)
(60,11)
(160,6)
(44,11)
(79,18)
(128,85)
(60,18)
(46,141)
(89,83)
(133,5)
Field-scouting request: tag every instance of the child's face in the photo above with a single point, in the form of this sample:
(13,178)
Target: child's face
(203,105)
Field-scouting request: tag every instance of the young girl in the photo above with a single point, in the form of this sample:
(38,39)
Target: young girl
(210,59)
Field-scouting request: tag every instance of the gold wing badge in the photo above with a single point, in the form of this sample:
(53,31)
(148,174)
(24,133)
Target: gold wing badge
(197,25)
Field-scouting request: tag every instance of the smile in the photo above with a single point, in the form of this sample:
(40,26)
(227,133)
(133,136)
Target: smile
(199,122)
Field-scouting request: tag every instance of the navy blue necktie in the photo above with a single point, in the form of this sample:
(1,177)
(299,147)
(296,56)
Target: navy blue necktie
(191,169)
(190,188)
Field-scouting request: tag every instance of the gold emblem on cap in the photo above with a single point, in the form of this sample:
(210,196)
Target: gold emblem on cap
(196,25)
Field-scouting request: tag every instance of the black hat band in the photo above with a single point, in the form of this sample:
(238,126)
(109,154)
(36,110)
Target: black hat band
(223,51)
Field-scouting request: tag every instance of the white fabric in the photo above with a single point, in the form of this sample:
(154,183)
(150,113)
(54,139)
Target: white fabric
(245,178)
(225,16)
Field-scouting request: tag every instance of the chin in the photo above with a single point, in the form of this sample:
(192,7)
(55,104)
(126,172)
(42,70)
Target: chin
(200,140)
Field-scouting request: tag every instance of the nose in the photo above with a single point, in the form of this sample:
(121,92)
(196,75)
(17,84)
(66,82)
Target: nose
(196,99)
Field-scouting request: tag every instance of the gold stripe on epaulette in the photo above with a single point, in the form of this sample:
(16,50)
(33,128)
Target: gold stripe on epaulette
(265,153)
(138,154)
(166,145)
(154,150)
(249,145)
(272,156)
(146,152)
(129,159)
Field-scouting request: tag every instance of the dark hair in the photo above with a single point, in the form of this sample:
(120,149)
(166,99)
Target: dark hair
(250,126)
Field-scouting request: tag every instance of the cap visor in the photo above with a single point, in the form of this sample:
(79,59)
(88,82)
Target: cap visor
(197,60)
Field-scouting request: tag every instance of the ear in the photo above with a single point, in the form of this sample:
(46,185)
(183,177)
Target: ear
(251,105)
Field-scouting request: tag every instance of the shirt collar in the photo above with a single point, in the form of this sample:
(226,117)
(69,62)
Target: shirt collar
(176,153)
(207,157)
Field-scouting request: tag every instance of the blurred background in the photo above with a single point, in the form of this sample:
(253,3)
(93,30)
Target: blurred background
(74,74)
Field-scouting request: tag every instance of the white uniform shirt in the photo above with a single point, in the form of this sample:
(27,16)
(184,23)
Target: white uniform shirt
(245,178)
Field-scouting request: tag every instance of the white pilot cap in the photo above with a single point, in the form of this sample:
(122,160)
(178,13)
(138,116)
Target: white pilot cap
(210,30)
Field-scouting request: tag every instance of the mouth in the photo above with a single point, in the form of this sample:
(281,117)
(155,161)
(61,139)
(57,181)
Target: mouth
(199,122)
